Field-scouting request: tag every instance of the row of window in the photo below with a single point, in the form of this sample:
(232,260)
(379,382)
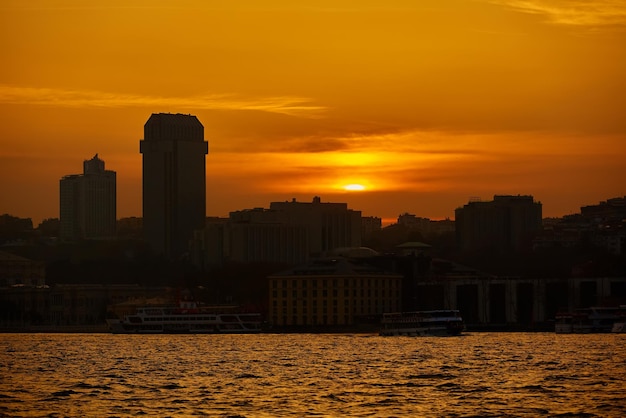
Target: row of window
(179,318)
(314,302)
(335,283)
(355,310)
(314,320)
(304,293)
(371,307)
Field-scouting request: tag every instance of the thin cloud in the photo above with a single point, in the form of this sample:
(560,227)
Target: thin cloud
(286,105)
(409,142)
(597,13)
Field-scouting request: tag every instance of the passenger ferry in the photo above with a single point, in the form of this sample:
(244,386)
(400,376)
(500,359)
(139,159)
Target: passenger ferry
(186,318)
(422,323)
(594,319)
(619,326)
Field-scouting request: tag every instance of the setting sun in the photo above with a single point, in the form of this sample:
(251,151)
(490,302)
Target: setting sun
(354,187)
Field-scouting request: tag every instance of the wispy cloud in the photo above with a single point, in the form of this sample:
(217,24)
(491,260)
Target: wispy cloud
(287,105)
(342,140)
(596,13)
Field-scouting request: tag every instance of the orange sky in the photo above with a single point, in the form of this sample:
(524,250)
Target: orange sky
(424,103)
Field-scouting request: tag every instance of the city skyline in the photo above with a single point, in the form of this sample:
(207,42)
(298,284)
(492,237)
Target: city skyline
(424,106)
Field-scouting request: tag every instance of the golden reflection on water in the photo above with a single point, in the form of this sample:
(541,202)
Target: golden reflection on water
(481,374)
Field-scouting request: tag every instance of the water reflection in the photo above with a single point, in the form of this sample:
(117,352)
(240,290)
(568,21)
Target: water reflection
(479,374)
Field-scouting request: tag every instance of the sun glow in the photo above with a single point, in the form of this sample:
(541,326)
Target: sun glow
(354,187)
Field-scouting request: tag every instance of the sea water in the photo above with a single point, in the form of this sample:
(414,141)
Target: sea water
(312,375)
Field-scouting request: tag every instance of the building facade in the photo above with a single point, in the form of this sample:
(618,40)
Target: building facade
(174,181)
(88,202)
(332,292)
(506,224)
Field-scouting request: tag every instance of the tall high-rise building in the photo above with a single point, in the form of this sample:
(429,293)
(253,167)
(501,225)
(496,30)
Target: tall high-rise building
(88,202)
(174,181)
(508,223)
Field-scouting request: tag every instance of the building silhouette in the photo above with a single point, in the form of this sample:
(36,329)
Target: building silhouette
(370,224)
(288,232)
(506,224)
(174,181)
(611,210)
(601,226)
(264,235)
(425,226)
(330,225)
(88,202)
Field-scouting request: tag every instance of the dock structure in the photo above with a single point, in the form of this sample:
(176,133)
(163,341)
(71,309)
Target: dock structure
(517,302)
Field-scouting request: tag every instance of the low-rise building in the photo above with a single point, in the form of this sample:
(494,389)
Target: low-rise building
(332,292)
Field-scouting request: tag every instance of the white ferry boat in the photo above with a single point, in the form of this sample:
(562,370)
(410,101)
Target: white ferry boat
(594,319)
(187,318)
(422,323)
(619,326)
(564,322)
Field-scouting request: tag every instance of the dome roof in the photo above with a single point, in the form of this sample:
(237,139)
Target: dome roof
(354,252)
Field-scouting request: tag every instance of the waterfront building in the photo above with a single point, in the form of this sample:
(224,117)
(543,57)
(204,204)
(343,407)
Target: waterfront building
(331,292)
(88,202)
(174,181)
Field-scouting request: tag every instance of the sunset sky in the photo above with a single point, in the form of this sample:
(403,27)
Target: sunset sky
(423,103)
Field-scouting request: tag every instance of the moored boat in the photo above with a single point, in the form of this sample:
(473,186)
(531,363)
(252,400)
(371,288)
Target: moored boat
(595,319)
(564,323)
(422,323)
(619,326)
(186,318)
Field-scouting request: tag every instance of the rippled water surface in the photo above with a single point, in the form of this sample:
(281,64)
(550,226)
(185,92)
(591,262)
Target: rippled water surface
(479,374)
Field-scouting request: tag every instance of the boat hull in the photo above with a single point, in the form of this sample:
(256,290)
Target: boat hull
(422,332)
(587,320)
(119,327)
(619,328)
(422,323)
(185,320)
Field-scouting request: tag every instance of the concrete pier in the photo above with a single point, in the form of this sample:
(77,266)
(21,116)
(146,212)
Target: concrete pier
(510,302)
